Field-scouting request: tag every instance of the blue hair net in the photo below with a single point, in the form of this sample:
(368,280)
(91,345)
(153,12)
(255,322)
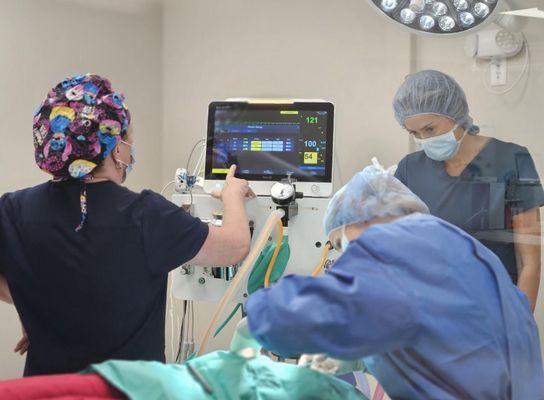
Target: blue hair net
(433,92)
(373,192)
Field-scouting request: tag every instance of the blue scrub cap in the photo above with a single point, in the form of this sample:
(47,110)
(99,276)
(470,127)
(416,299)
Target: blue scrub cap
(374,192)
(433,92)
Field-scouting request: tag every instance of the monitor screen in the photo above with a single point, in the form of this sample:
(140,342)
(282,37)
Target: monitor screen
(270,141)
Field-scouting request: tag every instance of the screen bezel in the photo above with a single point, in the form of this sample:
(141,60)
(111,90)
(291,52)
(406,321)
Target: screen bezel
(295,106)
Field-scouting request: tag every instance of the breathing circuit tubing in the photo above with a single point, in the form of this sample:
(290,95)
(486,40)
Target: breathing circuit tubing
(269,226)
(324,256)
(274,255)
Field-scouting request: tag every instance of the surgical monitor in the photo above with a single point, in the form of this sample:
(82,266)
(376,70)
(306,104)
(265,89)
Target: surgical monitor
(271,141)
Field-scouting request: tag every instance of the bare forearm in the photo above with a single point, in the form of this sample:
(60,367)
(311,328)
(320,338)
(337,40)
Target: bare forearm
(5,294)
(527,234)
(235,220)
(230,243)
(529,283)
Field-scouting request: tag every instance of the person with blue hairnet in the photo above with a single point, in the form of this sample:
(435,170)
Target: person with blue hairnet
(423,306)
(487,187)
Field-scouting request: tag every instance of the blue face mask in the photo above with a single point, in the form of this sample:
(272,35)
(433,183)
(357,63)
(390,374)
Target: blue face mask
(442,147)
(132,159)
(128,167)
(345,241)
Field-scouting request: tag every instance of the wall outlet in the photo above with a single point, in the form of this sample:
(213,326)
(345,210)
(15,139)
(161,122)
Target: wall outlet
(498,71)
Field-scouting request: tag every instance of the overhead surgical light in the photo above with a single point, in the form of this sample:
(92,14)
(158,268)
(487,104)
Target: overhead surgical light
(448,17)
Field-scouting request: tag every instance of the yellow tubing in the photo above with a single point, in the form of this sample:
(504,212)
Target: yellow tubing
(274,217)
(324,257)
(270,268)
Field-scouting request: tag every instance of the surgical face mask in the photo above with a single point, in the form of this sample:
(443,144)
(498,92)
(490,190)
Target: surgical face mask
(128,167)
(442,147)
(345,241)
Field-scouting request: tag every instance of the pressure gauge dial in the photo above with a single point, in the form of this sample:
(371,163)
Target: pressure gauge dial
(282,193)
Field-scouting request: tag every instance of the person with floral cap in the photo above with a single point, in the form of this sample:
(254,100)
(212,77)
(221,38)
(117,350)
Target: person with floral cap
(84,259)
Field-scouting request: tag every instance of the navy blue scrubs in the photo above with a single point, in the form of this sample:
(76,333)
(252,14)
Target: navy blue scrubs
(98,294)
(500,182)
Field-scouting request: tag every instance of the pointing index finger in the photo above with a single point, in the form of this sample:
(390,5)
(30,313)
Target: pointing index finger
(232,171)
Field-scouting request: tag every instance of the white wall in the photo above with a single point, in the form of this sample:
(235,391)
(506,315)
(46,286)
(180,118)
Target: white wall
(43,41)
(336,50)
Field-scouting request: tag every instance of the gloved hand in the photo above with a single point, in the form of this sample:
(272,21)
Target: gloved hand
(328,365)
(242,338)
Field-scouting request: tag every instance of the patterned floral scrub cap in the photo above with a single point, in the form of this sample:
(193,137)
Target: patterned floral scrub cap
(76,127)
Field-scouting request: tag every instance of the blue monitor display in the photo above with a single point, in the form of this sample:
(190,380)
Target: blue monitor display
(270,141)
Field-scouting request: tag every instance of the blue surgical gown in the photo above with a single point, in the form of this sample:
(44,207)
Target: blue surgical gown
(432,312)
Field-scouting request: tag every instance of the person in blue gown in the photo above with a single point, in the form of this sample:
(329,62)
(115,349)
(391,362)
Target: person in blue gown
(426,308)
